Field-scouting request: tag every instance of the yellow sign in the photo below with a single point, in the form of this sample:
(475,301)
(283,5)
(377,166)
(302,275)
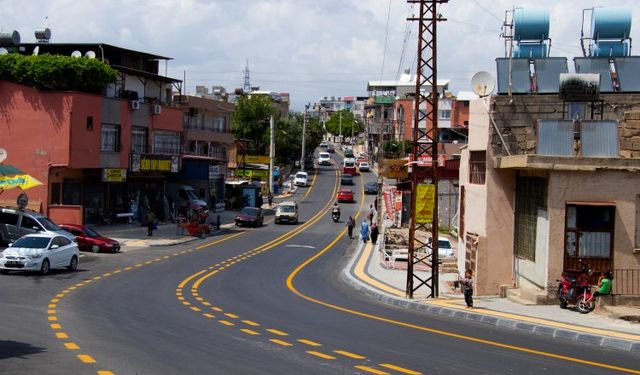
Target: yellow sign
(252,159)
(425,202)
(252,173)
(394,168)
(114,175)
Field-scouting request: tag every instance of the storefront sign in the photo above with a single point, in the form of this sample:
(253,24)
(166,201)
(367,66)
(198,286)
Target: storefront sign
(114,175)
(253,173)
(425,202)
(394,168)
(252,159)
(152,163)
(426,160)
(214,172)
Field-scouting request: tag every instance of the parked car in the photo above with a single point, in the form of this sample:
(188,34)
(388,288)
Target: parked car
(445,248)
(40,252)
(371,187)
(90,240)
(345,195)
(346,179)
(363,166)
(250,216)
(287,212)
(348,153)
(15,223)
(324,158)
(300,179)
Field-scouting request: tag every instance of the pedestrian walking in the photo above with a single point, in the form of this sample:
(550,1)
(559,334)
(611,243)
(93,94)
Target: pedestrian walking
(467,288)
(270,199)
(374,233)
(372,213)
(151,222)
(364,231)
(350,225)
(375,204)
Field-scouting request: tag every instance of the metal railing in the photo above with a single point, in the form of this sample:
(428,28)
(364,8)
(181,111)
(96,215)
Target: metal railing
(626,282)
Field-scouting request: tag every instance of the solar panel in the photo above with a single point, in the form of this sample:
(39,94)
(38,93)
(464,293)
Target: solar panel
(555,137)
(628,69)
(520,81)
(548,73)
(595,65)
(600,139)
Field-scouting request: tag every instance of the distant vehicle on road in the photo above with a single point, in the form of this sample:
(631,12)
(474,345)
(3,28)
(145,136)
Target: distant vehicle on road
(301,179)
(346,179)
(40,252)
(250,216)
(371,187)
(90,240)
(445,248)
(348,153)
(324,144)
(363,166)
(345,195)
(331,149)
(349,166)
(324,158)
(287,212)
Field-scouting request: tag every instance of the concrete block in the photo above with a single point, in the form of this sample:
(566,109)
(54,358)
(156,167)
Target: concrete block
(507,323)
(528,327)
(493,320)
(563,334)
(590,339)
(616,343)
(544,331)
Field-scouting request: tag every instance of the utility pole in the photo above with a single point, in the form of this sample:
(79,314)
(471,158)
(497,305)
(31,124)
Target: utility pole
(340,131)
(272,127)
(304,129)
(425,143)
(353,119)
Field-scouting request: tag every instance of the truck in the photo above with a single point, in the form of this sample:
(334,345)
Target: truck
(185,197)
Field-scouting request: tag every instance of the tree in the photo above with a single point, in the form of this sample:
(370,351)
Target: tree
(251,120)
(348,120)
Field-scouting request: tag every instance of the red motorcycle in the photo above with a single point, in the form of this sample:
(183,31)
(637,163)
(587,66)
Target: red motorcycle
(576,290)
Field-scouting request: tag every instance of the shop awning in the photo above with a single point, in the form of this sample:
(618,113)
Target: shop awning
(8,170)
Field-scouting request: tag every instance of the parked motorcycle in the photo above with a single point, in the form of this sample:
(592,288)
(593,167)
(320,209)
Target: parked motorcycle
(577,290)
(335,214)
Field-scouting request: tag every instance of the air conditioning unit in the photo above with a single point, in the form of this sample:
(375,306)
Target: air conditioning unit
(157,109)
(135,105)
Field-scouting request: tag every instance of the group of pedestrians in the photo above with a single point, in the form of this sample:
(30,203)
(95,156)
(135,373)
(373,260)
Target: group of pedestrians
(368,227)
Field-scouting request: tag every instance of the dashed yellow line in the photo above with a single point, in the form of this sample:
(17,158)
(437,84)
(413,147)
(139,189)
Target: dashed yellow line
(71,346)
(371,370)
(251,323)
(250,332)
(103,372)
(280,342)
(210,316)
(276,332)
(320,355)
(194,308)
(86,358)
(309,342)
(55,326)
(400,369)
(62,335)
(232,316)
(227,323)
(349,354)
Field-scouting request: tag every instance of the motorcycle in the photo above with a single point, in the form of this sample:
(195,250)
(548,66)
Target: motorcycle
(576,290)
(335,214)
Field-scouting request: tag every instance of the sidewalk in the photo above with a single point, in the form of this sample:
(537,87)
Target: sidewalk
(366,273)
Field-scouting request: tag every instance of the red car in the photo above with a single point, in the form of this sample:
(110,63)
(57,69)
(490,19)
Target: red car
(90,240)
(250,216)
(345,195)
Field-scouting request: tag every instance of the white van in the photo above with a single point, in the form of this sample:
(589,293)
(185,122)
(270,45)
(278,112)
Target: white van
(185,196)
(287,212)
(324,158)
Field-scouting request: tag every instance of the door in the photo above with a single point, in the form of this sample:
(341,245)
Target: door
(28,226)
(9,230)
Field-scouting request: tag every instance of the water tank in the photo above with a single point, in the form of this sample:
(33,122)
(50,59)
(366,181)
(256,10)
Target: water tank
(530,50)
(43,34)
(610,23)
(610,49)
(10,38)
(531,24)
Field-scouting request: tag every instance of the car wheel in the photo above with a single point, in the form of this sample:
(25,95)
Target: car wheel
(73,265)
(95,248)
(44,268)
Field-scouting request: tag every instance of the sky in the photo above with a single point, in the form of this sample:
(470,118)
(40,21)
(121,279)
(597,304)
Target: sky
(308,48)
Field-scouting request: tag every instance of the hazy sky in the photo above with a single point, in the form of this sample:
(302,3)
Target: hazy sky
(309,48)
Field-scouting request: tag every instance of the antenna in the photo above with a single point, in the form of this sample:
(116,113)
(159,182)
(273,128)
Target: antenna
(483,84)
(76,53)
(90,55)
(247,83)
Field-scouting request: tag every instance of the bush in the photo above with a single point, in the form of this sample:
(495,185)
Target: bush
(57,73)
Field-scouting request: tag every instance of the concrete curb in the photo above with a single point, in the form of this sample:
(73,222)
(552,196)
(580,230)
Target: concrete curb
(536,329)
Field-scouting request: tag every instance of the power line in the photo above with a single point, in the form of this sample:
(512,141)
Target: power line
(386,37)
(488,11)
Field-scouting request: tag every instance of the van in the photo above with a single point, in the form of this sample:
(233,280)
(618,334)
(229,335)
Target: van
(15,223)
(287,212)
(349,166)
(185,196)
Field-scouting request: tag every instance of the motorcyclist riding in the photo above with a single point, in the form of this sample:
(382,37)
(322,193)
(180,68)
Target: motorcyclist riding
(335,212)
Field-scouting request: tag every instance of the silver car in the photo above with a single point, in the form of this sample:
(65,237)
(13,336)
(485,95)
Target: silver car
(15,223)
(40,252)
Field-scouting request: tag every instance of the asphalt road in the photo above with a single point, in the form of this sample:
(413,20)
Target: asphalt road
(267,300)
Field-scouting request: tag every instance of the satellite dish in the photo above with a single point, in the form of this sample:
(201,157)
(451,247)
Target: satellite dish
(76,54)
(90,55)
(3,155)
(36,50)
(483,84)
(3,51)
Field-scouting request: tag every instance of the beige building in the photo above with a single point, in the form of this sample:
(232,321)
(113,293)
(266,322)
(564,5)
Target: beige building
(539,191)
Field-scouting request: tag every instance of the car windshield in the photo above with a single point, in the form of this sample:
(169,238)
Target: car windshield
(91,233)
(252,211)
(32,242)
(370,184)
(349,164)
(287,208)
(48,224)
(444,244)
(363,164)
(301,175)
(324,155)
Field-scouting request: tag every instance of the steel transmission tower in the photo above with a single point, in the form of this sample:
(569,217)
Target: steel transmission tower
(247,83)
(424,176)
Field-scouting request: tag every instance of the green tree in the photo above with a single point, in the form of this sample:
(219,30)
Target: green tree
(251,120)
(348,121)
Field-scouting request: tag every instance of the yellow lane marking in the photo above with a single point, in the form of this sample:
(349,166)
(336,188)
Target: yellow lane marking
(180,298)
(227,323)
(542,321)
(199,298)
(349,354)
(195,308)
(276,332)
(360,273)
(71,346)
(61,335)
(139,265)
(51,305)
(186,303)
(371,370)
(232,316)
(280,342)
(71,288)
(214,308)
(117,271)
(56,326)
(251,323)
(86,358)
(309,342)
(60,295)
(250,332)
(295,291)
(52,312)
(103,372)
(206,303)
(400,369)
(128,268)
(210,316)
(52,318)
(97,278)
(321,355)
(55,300)
(107,274)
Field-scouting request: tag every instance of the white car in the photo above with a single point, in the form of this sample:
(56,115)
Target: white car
(300,179)
(40,252)
(364,166)
(324,158)
(445,248)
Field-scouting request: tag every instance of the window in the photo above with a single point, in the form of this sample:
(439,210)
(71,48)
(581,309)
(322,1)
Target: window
(531,198)
(139,140)
(8,218)
(110,138)
(477,167)
(444,114)
(29,223)
(71,193)
(55,192)
(218,124)
(589,232)
(165,142)
(89,122)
